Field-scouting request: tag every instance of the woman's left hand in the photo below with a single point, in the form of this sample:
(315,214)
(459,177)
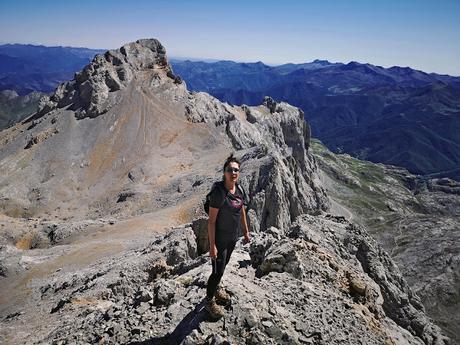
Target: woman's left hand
(246,238)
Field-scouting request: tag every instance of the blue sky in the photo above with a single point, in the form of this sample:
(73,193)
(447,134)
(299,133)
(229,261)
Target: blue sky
(421,34)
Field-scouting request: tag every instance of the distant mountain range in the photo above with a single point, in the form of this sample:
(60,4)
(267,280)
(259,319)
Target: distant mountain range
(27,68)
(395,115)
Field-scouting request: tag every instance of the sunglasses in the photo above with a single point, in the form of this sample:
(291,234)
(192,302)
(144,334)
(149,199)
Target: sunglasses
(232,170)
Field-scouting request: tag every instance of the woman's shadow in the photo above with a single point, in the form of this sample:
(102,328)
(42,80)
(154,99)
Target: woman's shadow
(190,322)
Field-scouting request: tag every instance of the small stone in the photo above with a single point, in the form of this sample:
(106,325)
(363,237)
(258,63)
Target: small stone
(144,295)
(267,323)
(357,286)
(144,306)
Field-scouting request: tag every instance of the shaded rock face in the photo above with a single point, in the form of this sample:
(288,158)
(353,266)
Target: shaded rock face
(306,278)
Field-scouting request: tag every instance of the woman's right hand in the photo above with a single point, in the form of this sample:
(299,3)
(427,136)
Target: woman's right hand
(213,251)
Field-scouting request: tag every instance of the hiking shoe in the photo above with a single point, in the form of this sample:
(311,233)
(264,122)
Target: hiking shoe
(222,297)
(215,311)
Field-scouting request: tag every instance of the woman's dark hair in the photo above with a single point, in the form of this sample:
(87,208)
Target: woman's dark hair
(229,160)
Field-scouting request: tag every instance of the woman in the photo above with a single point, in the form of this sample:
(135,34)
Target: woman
(226,217)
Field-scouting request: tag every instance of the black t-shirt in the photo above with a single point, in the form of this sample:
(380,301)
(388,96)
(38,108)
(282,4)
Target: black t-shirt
(228,222)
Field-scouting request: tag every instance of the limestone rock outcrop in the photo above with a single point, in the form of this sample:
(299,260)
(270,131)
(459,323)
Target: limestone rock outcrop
(93,90)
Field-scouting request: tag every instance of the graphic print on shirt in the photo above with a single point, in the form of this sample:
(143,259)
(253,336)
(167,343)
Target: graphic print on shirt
(236,203)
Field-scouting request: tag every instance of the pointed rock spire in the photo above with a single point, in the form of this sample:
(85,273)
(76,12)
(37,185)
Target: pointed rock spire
(92,91)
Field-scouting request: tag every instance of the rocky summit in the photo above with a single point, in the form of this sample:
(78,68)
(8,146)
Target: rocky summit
(103,236)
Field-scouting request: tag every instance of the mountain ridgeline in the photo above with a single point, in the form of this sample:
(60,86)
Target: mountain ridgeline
(396,115)
(104,237)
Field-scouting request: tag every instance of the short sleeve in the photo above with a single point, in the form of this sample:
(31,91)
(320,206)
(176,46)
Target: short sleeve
(216,198)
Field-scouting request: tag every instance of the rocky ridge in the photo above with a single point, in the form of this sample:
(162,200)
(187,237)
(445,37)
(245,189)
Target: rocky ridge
(339,284)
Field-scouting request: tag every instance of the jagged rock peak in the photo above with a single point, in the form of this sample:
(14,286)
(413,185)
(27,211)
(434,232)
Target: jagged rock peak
(270,103)
(92,91)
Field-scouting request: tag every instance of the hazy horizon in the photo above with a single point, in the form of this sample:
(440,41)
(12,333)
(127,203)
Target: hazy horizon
(420,35)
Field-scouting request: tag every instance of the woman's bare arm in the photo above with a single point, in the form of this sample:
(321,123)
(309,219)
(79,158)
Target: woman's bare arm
(245,225)
(212,231)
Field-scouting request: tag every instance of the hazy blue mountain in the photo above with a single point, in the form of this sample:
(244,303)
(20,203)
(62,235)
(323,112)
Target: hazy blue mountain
(394,115)
(27,68)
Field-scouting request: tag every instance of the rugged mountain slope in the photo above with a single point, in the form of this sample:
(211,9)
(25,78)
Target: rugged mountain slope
(416,220)
(395,115)
(125,143)
(15,108)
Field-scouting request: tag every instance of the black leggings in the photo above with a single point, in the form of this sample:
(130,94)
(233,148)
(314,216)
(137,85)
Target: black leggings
(224,251)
